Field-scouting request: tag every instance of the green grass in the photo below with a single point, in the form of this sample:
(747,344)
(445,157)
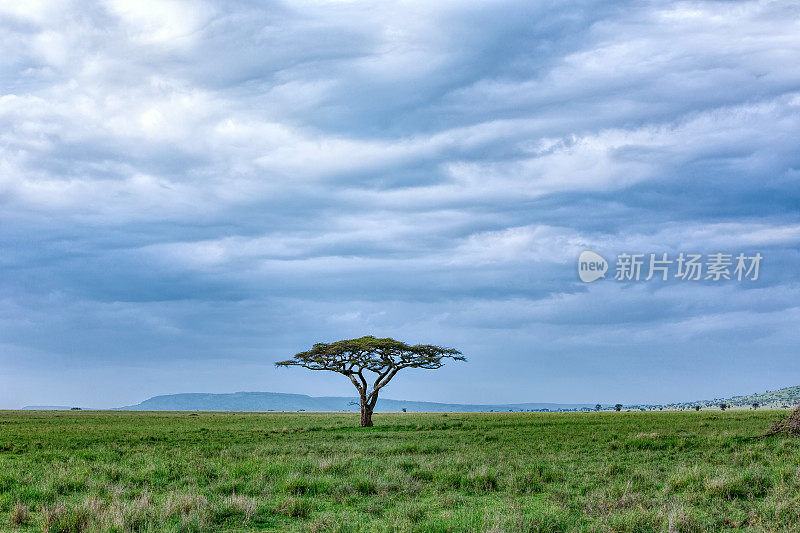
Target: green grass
(671,471)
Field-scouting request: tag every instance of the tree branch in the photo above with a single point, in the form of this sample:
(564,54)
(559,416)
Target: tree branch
(356,383)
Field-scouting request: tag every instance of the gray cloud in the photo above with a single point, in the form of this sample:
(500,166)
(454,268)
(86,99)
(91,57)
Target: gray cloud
(188,186)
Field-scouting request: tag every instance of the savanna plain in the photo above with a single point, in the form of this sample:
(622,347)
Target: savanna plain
(606,471)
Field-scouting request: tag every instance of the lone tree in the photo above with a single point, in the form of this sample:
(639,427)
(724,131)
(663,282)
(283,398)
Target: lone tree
(382,357)
(618,407)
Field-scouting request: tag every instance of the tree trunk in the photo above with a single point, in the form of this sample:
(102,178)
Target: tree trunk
(366,414)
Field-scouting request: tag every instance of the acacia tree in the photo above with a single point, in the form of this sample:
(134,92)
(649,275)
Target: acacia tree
(354,358)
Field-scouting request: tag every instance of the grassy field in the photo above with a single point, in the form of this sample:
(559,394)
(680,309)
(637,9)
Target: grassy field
(145,471)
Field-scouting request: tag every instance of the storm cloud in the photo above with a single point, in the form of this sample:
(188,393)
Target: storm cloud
(190,191)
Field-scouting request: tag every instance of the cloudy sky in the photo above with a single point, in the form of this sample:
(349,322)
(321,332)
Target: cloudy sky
(190,191)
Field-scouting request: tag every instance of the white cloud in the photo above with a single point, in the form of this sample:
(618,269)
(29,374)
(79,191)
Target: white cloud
(162,22)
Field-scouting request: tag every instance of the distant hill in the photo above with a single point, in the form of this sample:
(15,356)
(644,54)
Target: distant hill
(777,399)
(276,401)
(789,396)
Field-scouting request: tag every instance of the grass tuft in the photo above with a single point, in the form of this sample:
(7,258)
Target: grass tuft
(19,515)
